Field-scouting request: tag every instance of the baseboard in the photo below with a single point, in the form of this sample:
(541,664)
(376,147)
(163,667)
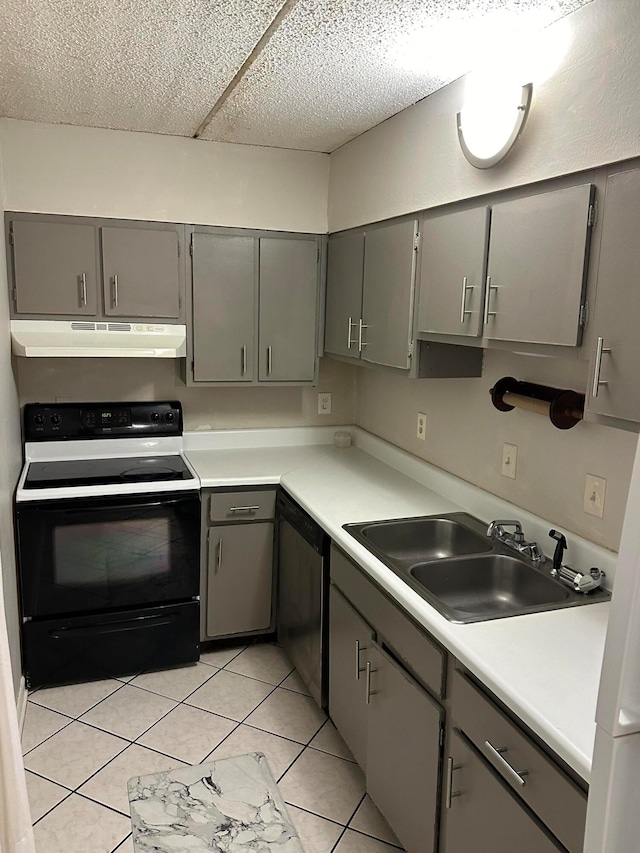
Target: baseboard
(21,702)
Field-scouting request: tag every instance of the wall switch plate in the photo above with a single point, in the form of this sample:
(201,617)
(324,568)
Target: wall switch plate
(509,460)
(324,404)
(421,429)
(594,492)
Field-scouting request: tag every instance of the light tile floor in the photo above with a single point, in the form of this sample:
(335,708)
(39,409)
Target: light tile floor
(83,742)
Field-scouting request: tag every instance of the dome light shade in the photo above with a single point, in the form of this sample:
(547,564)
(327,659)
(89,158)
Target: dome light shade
(491,122)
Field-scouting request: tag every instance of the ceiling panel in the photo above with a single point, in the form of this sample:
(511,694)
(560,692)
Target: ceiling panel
(151,65)
(335,68)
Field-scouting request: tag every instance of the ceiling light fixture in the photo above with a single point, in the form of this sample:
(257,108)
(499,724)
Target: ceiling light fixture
(491,121)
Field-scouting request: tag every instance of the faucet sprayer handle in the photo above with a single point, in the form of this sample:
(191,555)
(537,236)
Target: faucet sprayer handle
(561,547)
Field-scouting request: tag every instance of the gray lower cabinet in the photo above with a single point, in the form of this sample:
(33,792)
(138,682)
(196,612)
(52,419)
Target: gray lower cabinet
(224,293)
(614,389)
(483,816)
(403,750)
(350,638)
(380,706)
(537,266)
(288,308)
(237,563)
(55,268)
(141,273)
(452,272)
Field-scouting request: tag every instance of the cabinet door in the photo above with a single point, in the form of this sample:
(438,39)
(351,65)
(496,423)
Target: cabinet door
(388,290)
(240,571)
(345,265)
(350,639)
(140,273)
(617,314)
(55,267)
(224,288)
(537,267)
(403,752)
(483,815)
(288,310)
(454,255)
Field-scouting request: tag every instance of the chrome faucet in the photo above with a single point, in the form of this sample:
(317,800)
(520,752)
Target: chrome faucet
(516,540)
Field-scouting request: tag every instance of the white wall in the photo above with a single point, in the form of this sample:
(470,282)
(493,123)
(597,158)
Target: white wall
(92,172)
(10,464)
(586,114)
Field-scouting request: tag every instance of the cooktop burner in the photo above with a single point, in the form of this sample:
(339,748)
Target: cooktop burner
(106,472)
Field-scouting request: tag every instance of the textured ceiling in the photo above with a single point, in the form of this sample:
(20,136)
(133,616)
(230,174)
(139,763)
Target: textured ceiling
(326,71)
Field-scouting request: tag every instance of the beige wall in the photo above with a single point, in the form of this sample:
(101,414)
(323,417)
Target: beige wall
(10,464)
(93,172)
(48,379)
(586,114)
(465,434)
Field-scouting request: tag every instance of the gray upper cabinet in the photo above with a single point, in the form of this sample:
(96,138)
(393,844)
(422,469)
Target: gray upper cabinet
(388,293)
(614,389)
(452,274)
(288,309)
(55,268)
(140,272)
(224,290)
(537,267)
(343,317)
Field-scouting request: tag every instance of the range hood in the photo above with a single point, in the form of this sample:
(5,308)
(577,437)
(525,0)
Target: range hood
(100,339)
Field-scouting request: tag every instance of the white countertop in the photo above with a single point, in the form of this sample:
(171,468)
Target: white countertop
(545,666)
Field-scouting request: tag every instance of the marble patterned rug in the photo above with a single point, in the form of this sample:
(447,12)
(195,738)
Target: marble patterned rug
(232,805)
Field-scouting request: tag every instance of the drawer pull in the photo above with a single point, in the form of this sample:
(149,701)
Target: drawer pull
(450,793)
(359,668)
(368,689)
(243,508)
(513,774)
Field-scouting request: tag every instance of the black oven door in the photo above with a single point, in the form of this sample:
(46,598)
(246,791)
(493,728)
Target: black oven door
(90,555)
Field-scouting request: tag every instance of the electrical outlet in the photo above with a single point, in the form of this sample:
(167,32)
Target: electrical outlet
(421,430)
(324,404)
(594,492)
(509,460)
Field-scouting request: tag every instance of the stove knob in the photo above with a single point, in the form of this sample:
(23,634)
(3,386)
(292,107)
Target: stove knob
(169,417)
(56,419)
(155,417)
(38,420)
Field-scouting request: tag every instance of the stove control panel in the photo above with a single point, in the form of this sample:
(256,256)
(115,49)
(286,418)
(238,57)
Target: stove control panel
(68,421)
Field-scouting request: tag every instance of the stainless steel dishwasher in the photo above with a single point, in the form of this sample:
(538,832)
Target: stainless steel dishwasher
(303,595)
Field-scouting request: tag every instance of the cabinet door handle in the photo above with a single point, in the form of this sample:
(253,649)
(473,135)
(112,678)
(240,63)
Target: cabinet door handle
(463,300)
(597,382)
(361,343)
(115,291)
(244,360)
(487,299)
(368,689)
(219,554)
(350,343)
(359,649)
(269,361)
(244,508)
(83,291)
(511,773)
(450,793)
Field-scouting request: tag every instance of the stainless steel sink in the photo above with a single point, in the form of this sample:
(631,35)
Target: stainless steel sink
(424,539)
(492,585)
(468,577)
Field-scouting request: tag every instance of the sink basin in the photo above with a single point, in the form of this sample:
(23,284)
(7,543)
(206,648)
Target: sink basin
(489,586)
(430,538)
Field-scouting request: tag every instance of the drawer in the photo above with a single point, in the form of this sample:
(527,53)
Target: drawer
(242,506)
(559,803)
(422,657)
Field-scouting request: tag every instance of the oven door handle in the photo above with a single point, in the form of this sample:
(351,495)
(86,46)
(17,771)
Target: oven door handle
(112,627)
(50,504)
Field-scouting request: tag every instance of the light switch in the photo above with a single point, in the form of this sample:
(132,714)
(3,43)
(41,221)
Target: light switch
(509,459)
(594,493)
